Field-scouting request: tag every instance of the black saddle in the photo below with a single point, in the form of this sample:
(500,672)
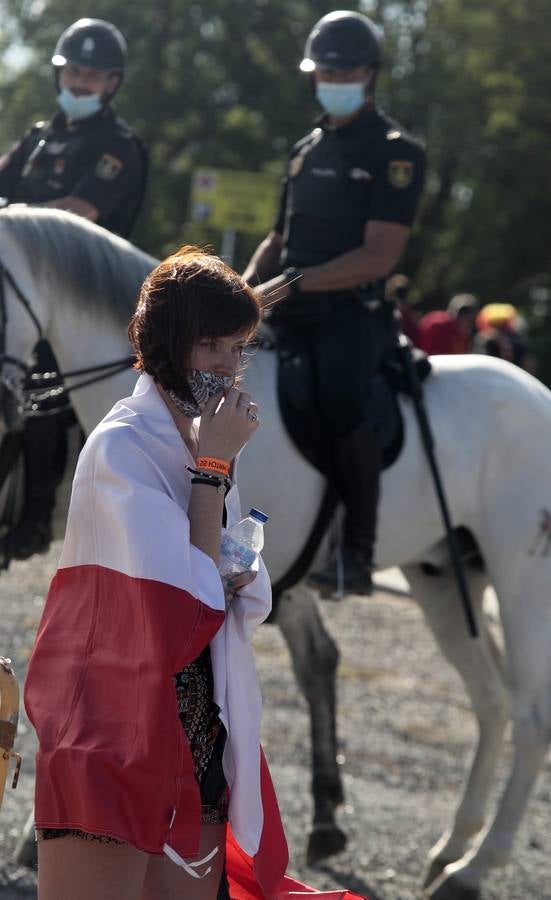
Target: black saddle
(303,421)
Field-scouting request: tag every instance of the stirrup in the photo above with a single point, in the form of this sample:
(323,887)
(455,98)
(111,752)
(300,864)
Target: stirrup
(355,577)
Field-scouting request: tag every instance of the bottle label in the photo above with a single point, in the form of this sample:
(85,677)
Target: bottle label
(238,554)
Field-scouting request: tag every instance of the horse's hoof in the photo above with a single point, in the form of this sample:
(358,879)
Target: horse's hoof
(450,888)
(324,842)
(435,870)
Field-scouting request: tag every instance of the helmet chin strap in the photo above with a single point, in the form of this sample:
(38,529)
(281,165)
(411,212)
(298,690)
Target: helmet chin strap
(110,96)
(371,84)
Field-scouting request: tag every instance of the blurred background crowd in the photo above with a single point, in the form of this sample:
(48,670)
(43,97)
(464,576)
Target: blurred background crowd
(464,326)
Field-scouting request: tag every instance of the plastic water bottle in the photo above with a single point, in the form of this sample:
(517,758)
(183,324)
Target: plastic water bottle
(242,543)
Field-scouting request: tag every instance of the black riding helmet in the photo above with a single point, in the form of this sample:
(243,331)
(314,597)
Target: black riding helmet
(343,40)
(91,42)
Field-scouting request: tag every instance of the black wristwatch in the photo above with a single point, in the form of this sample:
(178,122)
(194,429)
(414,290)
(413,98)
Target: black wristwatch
(293,277)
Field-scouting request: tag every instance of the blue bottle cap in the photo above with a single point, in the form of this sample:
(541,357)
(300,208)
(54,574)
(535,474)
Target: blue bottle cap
(258,515)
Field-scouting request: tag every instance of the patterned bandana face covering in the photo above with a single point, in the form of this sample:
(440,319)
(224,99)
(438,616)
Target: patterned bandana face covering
(203,386)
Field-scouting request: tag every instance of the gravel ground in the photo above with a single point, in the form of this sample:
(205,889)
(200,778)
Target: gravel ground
(405,732)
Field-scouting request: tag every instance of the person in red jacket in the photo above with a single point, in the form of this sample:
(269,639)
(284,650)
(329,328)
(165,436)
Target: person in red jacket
(452,330)
(397,291)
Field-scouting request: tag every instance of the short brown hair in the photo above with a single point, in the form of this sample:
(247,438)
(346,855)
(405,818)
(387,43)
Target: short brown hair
(189,296)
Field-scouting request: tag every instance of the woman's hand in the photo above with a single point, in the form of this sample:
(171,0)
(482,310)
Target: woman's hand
(234,583)
(227,423)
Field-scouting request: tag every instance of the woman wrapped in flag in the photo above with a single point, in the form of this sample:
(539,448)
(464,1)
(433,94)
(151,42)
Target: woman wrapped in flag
(142,687)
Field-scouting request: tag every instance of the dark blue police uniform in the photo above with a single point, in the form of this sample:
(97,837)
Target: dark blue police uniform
(98,159)
(337,180)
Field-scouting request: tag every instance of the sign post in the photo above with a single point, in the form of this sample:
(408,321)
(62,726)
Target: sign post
(227,248)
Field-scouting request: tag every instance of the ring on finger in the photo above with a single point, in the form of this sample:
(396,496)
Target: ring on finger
(252,417)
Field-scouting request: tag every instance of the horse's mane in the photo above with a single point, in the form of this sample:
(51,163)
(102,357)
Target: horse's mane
(87,263)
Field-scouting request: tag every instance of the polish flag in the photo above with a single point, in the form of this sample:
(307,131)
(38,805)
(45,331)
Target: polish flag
(132,603)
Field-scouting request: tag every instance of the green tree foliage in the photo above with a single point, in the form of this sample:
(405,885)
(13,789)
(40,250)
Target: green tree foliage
(216,83)
(478,87)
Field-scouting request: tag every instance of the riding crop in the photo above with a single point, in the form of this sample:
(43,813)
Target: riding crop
(428,444)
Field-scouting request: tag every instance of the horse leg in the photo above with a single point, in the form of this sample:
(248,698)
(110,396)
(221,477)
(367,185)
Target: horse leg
(480,665)
(25,850)
(527,629)
(315,657)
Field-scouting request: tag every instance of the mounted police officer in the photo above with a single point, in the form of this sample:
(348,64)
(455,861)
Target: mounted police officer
(85,159)
(88,161)
(347,204)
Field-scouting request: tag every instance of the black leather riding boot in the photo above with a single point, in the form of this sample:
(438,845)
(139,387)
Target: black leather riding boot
(44,445)
(358,464)
(44,452)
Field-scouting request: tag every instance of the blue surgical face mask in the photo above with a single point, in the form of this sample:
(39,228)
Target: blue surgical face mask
(78,107)
(341,99)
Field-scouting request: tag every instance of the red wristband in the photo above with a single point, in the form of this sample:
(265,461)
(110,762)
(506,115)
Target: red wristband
(212,464)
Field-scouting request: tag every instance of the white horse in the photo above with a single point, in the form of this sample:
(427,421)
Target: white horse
(493,428)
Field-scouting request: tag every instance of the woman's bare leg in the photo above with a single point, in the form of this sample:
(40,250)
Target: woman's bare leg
(72,868)
(166,881)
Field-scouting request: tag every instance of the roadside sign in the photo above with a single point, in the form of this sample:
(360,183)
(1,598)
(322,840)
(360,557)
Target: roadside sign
(228,199)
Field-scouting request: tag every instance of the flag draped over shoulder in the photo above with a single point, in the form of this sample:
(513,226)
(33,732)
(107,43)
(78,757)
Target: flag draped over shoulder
(132,603)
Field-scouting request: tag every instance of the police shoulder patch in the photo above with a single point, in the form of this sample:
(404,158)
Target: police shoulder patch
(400,173)
(108,167)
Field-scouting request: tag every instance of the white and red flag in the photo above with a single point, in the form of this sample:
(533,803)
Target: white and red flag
(131,604)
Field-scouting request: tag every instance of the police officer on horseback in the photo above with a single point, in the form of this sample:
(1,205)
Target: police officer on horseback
(84,159)
(88,161)
(347,204)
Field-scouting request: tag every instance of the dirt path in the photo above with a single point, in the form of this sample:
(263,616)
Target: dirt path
(405,733)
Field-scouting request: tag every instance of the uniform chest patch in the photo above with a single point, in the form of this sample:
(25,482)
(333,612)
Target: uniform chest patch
(360,174)
(323,173)
(108,167)
(55,147)
(400,173)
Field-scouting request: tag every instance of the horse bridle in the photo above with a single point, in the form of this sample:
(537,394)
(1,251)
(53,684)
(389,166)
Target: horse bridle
(27,400)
